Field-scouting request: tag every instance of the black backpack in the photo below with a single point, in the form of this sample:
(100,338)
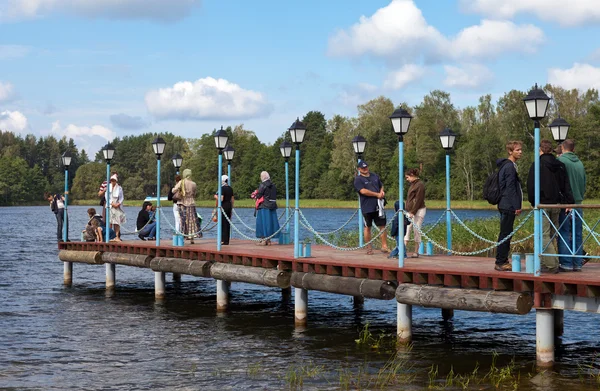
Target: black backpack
(491,187)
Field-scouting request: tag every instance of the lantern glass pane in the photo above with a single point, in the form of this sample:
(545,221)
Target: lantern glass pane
(531,108)
(542,106)
(405,124)
(66,160)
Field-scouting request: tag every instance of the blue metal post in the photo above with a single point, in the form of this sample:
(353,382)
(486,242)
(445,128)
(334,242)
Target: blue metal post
(296,210)
(219,217)
(361,225)
(537,215)
(401,201)
(65,223)
(107,205)
(157,214)
(448,216)
(287,199)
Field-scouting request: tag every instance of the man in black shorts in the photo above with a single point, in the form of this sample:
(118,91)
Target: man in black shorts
(370,188)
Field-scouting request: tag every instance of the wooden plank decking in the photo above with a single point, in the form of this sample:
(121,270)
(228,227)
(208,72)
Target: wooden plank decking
(450,271)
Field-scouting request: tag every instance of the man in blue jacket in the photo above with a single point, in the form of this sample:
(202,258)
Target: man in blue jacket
(511,200)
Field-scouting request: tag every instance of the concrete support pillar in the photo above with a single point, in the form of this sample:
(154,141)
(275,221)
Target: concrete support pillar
(559,322)
(301,306)
(176,277)
(222,295)
(358,301)
(68,273)
(159,285)
(544,346)
(111,273)
(447,314)
(404,320)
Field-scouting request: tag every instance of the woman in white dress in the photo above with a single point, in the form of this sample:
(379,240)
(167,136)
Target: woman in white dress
(117,216)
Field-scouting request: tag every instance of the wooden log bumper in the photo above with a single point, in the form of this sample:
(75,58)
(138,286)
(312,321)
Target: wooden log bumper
(127,259)
(90,257)
(505,302)
(374,289)
(181,266)
(250,274)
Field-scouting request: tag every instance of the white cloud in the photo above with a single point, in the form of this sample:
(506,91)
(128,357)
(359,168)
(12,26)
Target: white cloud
(206,99)
(13,121)
(470,76)
(398,33)
(7,92)
(81,132)
(491,38)
(398,30)
(580,76)
(160,10)
(407,74)
(567,14)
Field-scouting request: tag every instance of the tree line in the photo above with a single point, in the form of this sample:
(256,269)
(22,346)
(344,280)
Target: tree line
(29,166)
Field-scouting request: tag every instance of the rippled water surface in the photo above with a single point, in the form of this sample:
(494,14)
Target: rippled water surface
(81,337)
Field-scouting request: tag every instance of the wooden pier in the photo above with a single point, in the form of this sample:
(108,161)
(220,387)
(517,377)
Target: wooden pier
(451,282)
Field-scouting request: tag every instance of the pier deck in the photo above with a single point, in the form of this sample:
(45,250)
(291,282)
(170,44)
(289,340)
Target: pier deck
(440,270)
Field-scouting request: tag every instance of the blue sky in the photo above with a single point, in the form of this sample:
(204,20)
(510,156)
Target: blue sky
(96,69)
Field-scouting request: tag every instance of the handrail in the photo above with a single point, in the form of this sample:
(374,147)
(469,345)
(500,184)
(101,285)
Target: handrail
(570,206)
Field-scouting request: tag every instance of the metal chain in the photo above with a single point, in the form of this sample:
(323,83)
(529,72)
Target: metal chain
(242,221)
(441,247)
(257,239)
(343,225)
(176,232)
(306,225)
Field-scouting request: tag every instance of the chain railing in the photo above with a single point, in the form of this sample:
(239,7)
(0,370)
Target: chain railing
(281,227)
(192,235)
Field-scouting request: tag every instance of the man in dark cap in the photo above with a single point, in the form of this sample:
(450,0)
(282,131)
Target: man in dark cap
(369,187)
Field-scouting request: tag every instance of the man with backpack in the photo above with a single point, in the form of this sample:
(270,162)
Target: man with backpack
(511,199)
(554,189)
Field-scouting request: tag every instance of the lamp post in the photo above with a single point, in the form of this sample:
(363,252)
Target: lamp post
(66,161)
(447,137)
(286,151)
(297,132)
(359,144)
(228,152)
(109,152)
(158,145)
(560,129)
(401,122)
(177,162)
(221,138)
(536,103)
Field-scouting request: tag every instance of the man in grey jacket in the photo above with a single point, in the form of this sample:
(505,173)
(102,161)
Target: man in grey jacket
(511,200)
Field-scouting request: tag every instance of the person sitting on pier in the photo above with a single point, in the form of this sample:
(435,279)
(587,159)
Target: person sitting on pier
(185,191)
(117,215)
(370,189)
(146,224)
(57,205)
(90,234)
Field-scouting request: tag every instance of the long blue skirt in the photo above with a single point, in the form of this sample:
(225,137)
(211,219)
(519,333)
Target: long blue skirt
(266,223)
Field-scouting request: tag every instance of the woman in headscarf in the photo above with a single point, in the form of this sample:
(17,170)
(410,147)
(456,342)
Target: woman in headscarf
(117,216)
(185,190)
(415,207)
(266,218)
(227,205)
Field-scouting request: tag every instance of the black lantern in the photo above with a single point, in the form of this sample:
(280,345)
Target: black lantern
(447,137)
(228,152)
(536,103)
(560,129)
(177,161)
(401,122)
(359,143)
(66,159)
(221,138)
(108,151)
(286,150)
(159,147)
(297,132)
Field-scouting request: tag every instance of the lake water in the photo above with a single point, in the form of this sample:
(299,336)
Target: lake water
(58,338)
